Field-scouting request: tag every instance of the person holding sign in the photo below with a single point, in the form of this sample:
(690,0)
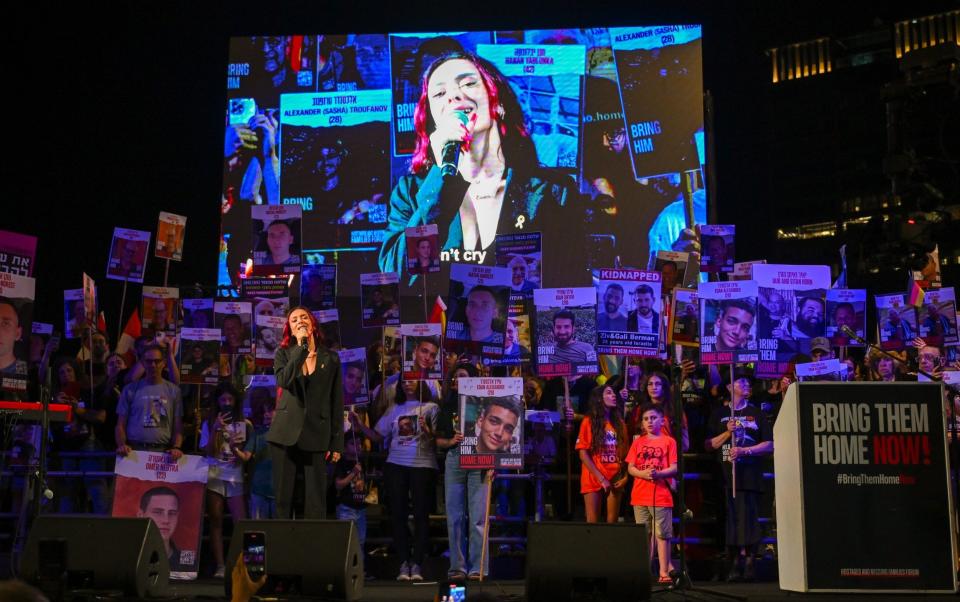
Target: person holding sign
(408,428)
(150,411)
(602,445)
(306,430)
(465,490)
(740,434)
(475,170)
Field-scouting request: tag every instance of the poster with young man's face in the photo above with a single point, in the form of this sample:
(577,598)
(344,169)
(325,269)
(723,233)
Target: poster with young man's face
(276,236)
(151,485)
(269,335)
(566,331)
(491,420)
(672,266)
(353,368)
(685,318)
(422,359)
(477,310)
(728,329)
(423,249)
(17,294)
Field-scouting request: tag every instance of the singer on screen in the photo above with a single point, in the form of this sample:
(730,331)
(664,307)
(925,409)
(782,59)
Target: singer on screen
(475,172)
(306,429)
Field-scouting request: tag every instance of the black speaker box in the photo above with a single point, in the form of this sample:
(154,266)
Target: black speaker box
(310,557)
(599,561)
(99,553)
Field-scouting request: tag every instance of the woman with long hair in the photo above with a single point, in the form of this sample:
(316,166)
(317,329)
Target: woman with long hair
(603,445)
(656,389)
(223,438)
(492,184)
(307,428)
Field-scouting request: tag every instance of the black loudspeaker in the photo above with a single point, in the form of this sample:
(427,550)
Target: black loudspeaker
(309,557)
(600,561)
(98,553)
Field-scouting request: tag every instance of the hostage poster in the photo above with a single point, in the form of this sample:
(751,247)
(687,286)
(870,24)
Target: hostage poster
(491,420)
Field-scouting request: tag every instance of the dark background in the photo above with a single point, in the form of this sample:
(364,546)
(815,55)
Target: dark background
(114,115)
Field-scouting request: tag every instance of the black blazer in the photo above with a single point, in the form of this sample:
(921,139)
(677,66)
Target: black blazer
(309,408)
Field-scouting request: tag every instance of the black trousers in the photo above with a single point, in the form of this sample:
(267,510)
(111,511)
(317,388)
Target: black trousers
(403,483)
(286,460)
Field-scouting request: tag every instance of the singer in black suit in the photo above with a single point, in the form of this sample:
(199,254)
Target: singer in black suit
(307,428)
(469,121)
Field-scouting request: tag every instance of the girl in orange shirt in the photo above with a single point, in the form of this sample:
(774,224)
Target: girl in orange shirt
(603,445)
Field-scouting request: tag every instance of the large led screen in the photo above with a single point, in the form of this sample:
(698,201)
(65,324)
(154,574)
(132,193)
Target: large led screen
(581,135)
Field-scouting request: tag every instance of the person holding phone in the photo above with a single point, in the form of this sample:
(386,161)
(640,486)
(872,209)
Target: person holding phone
(307,427)
(224,438)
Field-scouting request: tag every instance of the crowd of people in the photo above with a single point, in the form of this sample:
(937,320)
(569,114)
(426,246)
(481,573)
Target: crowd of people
(625,426)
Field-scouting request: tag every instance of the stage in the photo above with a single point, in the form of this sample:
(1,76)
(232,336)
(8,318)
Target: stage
(391,591)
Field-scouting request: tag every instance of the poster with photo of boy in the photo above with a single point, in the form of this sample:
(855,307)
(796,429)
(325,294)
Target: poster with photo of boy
(422,359)
(728,329)
(491,420)
(353,367)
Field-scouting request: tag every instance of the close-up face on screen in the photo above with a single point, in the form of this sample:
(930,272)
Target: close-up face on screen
(582,135)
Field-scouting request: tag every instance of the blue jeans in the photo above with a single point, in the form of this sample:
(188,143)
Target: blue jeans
(359,518)
(466,499)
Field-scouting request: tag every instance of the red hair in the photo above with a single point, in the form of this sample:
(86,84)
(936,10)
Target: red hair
(289,339)
(515,138)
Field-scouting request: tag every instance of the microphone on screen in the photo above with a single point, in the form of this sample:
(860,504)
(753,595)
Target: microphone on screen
(450,157)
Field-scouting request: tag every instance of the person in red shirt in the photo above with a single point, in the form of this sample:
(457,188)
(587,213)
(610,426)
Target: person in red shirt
(602,444)
(652,461)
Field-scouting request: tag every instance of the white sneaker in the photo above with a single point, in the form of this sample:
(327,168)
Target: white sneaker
(219,574)
(404,572)
(415,573)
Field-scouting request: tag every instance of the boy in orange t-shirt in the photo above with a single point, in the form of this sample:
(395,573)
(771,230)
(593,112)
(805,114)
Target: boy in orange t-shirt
(652,461)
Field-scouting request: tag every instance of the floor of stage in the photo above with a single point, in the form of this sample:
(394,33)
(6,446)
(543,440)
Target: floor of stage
(513,591)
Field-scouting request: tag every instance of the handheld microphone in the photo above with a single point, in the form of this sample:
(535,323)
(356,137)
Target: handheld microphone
(851,334)
(450,157)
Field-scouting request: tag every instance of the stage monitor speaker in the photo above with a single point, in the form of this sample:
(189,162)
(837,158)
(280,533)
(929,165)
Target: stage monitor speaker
(309,557)
(598,561)
(98,553)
